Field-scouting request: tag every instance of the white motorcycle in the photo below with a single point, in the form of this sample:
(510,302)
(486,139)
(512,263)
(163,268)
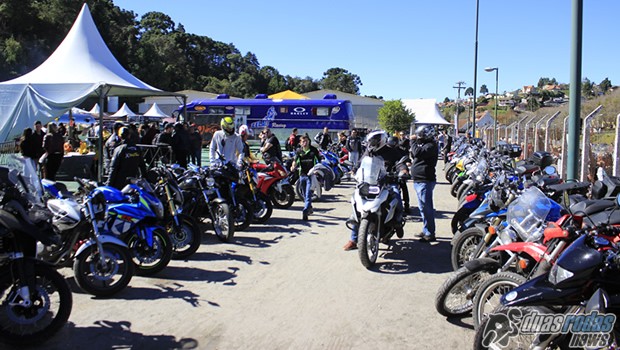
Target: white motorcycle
(375,207)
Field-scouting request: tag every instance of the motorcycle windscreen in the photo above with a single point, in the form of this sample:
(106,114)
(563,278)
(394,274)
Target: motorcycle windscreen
(371,170)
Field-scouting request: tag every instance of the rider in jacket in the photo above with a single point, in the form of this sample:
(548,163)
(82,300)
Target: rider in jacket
(126,161)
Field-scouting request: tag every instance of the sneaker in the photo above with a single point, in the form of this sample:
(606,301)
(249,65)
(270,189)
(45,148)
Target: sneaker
(399,232)
(310,211)
(428,239)
(304,215)
(350,245)
(420,235)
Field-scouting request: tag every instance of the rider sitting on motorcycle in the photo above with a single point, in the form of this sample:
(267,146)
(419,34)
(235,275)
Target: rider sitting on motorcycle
(376,146)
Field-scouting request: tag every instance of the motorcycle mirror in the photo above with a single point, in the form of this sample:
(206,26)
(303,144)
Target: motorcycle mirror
(550,170)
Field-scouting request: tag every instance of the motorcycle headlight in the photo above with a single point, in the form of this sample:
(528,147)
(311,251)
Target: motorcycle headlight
(559,274)
(507,236)
(158,208)
(210,182)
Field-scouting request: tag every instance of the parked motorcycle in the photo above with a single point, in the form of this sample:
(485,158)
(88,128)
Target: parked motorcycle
(273,181)
(35,300)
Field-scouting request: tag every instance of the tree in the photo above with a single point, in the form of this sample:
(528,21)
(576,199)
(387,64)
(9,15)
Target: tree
(483,89)
(546,81)
(340,79)
(605,85)
(587,87)
(532,104)
(393,116)
(469,91)
(446,100)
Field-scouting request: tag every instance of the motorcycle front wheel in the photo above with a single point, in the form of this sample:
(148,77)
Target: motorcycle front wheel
(368,243)
(456,294)
(150,260)
(223,222)
(51,304)
(186,237)
(263,208)
(282,199)
(107,277)
(488,295)
(466,246)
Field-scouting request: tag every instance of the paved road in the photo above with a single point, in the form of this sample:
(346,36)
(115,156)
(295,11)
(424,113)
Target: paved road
(284,285)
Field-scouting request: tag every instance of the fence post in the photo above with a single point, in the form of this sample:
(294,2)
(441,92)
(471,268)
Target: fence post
(616,169)
(526,153)
(537,126)
(564,150)
(548,125)
(585,143)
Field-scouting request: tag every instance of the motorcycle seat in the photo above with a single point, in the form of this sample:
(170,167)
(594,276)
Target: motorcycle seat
(570,187)
(591,206)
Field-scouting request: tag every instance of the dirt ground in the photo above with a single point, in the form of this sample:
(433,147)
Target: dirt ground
(287,284)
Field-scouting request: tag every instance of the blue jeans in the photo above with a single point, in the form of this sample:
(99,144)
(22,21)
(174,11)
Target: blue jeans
(424,191)
(306,185)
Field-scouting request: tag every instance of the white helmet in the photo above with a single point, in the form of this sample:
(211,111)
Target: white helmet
(244,130)
(376,139)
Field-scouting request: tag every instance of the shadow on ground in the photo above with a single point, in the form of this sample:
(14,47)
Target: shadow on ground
(105,334)
(411,256)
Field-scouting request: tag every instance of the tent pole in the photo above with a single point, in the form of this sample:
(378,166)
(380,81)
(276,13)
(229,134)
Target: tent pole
(100,138)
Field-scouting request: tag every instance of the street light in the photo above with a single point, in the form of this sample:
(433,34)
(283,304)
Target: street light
(496,69)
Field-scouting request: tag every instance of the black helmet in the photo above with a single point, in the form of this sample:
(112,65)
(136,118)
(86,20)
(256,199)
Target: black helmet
(392,141)
(425,132)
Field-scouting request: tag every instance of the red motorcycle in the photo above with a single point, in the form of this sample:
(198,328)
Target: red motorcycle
(273,182)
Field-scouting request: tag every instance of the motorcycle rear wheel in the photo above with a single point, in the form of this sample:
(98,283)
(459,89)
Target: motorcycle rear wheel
(103,281)
(186,238)
(368,243)
(282,199)
(51,306)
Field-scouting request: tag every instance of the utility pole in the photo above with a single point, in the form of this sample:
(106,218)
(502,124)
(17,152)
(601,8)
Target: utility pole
(473,131)
(458,98)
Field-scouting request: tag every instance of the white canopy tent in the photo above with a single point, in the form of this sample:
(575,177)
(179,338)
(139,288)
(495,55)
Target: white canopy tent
(426,111)
(82,66)
(124,111)
(155,112)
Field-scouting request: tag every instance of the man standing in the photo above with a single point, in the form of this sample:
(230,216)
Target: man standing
(38,135)
(323,139)
(196,141)
(306,158)
(181,145)
(226,142)
(53,144)
(354,146)
(271,146)
(126,161)
(293,141)
(111,143)
(424,152)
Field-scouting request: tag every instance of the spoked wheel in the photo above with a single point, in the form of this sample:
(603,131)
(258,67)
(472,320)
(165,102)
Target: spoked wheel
(282,199)
(186,237)
(459,218)
(263,208)
(49,310)
(223,223)
(103,274)
(150,259)
(488,297)
(456,295)
(368,243)
(466,246)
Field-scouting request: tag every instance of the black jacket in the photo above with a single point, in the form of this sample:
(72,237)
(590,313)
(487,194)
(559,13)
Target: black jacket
(424,156)
(390,155)
(126,161)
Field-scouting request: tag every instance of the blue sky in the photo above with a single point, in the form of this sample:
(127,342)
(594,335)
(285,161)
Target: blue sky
(408,49)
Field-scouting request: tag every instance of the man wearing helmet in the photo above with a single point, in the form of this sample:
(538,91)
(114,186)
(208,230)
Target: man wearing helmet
(424,152)
(226,142)
(126,160)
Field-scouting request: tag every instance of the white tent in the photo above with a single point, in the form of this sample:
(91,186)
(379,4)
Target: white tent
(94,110)
(124,111)
(155,112)
(82,66)
(426,111)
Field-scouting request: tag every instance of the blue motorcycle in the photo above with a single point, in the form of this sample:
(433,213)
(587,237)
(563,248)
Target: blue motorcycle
(133,215)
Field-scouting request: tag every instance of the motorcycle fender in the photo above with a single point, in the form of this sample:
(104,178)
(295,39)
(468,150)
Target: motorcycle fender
(540,292)
(284,181)
(535,250)
(375,204)
(391,211)
(103,239)
(482,264)
(218,200)
(146,233)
